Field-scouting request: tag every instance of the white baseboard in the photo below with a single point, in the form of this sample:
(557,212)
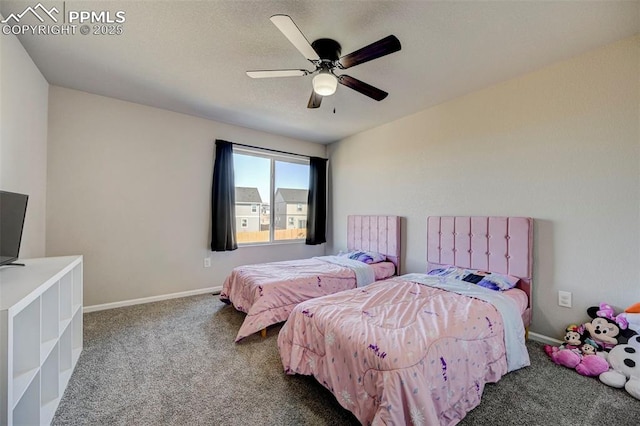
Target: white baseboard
(104,306)
(544,339)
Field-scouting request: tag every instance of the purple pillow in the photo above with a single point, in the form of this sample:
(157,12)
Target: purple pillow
(490,280)
(365,256)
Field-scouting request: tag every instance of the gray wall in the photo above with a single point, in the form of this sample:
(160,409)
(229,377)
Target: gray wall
(23,138)
(560,145)
(129,187)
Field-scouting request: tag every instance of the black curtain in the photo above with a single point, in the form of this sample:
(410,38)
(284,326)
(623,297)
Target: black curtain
(223,200)
(317,201)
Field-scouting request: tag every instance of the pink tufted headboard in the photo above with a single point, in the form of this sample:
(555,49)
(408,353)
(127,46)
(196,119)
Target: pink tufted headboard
(489,243)
(375,233)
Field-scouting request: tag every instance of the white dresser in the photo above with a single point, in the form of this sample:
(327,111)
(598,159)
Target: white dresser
(40,336)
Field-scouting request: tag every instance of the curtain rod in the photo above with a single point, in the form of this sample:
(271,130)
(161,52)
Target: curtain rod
(271,150)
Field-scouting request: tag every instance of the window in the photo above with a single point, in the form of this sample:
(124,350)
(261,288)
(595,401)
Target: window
(277,182)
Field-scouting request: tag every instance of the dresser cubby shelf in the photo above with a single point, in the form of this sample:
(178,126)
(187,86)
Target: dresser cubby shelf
(40,336)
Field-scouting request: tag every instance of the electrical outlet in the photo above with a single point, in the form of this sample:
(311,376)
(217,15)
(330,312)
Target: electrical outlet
(207,262)
(564,299)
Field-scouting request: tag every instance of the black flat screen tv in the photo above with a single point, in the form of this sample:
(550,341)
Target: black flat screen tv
(13,208)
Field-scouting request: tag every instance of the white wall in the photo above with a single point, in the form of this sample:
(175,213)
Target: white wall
(129,187)
(560,145)
(23,138)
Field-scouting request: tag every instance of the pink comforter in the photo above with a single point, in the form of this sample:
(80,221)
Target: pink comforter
(268,292)
(397,352)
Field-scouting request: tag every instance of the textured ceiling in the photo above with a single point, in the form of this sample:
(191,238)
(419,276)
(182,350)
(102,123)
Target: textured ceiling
(191,56)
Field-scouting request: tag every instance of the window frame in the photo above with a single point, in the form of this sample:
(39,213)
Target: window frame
(273,157)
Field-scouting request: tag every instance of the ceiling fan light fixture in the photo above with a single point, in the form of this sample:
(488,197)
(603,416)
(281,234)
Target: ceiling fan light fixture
(325,83)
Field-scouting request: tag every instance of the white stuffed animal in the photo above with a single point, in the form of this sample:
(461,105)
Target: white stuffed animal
(624,361)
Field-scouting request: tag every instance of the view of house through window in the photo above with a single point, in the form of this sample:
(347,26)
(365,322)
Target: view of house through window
(271,196)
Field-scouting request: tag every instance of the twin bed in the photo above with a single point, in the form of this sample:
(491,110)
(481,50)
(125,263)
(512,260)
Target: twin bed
(412,349)
(419,349)
(268,292)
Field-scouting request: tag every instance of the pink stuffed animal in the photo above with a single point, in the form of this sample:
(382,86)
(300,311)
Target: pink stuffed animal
(585,365)
(578,352)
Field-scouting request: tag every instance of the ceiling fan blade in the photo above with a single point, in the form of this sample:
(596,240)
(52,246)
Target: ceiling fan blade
(276,73)
(375,50)
(315,100)
(362,87)
(291,31)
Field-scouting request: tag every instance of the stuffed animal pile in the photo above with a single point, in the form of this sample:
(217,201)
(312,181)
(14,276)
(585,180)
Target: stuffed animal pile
(579,351)
(606,347)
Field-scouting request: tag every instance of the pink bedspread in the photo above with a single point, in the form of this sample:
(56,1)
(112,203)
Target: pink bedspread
(268,292)
(397,352)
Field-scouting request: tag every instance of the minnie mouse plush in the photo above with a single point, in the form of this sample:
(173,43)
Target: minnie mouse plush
(606,328)
(572,337)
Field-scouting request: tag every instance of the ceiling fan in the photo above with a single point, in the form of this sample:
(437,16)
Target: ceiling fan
(324,54)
